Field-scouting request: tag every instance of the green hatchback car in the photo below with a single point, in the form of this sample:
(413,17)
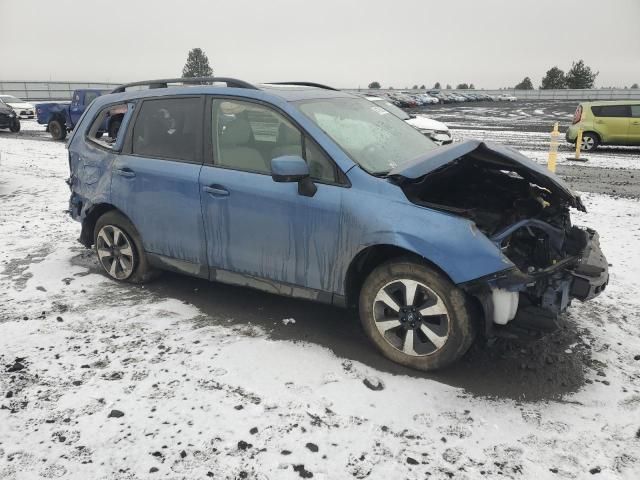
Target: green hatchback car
(606,123)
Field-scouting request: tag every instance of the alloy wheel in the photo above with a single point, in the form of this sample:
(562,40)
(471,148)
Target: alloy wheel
(411,317)
(115,252)
(587,143)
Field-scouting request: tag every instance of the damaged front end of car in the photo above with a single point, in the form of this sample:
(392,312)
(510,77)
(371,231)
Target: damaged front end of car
(524,210)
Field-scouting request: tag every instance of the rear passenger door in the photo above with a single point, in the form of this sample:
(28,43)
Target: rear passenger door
(155,181)
(634,127)
(257,228)
(612,122)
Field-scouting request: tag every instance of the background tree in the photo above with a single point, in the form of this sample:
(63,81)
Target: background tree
(472,86)
(437,86)
(197,65)
(554,78)
(462,86)
(448,87)
(635,85)
(415,87)
(525,84)
(580,76)
(374,85)
(422,87)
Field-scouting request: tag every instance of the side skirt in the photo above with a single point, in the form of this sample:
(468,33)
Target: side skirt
(242,280)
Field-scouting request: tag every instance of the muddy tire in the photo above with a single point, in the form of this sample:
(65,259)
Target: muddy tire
(415,316)
(590,142)
(119,249)
(15,126)
(57,130)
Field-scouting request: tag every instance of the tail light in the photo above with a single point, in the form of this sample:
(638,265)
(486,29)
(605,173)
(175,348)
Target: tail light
(578,115)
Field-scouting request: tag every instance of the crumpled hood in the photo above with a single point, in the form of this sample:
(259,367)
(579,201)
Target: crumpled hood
(490,152)
(425,123)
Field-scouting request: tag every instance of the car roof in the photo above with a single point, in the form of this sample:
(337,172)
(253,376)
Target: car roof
(611,102)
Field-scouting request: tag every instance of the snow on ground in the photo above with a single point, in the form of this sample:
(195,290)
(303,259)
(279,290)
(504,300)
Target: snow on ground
(102,380)
(535,145)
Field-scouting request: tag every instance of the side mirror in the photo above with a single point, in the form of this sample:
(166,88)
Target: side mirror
(289,168)
(293,168)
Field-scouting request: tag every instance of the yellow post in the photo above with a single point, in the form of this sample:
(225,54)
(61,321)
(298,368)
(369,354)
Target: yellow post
(578,144)
(553,148)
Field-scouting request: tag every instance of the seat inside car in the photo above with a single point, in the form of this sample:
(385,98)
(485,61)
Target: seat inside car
(236,150)
(288,142)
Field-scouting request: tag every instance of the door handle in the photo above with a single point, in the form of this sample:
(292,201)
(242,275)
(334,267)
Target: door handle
(635,123)
(216,191)
(126,172)
(599,121)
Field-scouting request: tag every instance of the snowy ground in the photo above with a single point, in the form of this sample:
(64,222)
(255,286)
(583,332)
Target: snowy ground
(100,380)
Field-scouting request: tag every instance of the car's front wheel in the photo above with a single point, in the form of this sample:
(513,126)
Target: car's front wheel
(119,249)
(415,315)
(15,126)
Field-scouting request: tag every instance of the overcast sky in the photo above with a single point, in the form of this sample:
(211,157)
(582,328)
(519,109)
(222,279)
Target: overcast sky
(491,43)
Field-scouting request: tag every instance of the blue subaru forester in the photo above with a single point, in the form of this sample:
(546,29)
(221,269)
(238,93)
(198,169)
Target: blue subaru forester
(299,189)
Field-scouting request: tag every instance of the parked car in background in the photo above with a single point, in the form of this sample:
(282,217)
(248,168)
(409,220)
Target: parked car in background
(606,123)
(507,98)
(436,131)
(8,118)
(23,109)
(311,192)
(61,117)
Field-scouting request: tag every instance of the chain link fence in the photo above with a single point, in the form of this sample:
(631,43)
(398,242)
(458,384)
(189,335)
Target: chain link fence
(41,91)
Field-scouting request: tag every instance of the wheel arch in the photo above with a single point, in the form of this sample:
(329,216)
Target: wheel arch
(367,259)
(91,216)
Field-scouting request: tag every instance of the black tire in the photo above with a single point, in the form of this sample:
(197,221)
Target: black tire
(15,126)
(453,331)
(113,128)
(141,271)
(57,129)
(590,142)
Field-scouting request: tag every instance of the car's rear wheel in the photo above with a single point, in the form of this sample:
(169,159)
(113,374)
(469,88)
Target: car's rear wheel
(15,126)
(415,315)
(590,142)
(119,249)
(57,130)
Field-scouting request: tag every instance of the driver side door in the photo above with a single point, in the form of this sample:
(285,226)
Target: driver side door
(262,233)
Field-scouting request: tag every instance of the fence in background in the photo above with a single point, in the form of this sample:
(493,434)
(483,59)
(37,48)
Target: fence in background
(39,91)
(563,94)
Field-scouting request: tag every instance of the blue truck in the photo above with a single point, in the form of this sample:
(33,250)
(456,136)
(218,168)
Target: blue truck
(61,117)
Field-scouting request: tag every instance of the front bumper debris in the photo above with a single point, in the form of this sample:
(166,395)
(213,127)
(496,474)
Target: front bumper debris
(548,292)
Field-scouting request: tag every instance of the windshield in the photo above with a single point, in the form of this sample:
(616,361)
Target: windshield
(374,138)
(390,107)
(10,99)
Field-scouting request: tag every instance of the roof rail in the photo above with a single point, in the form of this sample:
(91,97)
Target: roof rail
(163,83)
(303,84)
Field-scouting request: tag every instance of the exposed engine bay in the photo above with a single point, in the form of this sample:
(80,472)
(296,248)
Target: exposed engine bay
(525,211)
(496,200)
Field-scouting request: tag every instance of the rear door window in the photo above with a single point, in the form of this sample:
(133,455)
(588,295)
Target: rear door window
(169,128)
(635,111)
(618,111)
